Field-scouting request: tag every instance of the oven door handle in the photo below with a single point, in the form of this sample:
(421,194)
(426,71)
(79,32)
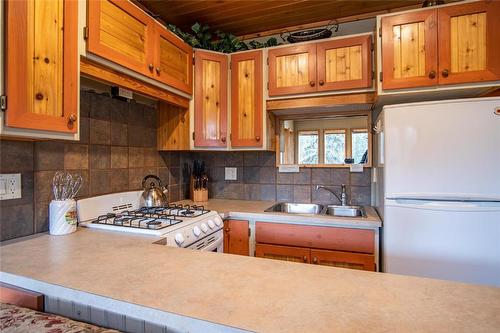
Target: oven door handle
(214,245)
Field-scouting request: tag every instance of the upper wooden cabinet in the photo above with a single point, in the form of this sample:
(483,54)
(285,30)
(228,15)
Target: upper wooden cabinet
(210,100)
(344,63)
(337,64)
(121,32)
(42,65)
(246,99)
(468,42)
(236,237)
(448,45)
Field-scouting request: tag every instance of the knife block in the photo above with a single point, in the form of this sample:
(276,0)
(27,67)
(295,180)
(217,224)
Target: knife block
(200,195)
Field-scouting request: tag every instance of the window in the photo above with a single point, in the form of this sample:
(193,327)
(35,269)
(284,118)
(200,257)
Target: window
(335,146)
(359,139)
(308,147)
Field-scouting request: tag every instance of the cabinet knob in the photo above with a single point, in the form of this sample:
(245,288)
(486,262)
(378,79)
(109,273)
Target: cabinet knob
(257,138)
(445,73)
(312,83)
(226,230)
(150,66)
(158,70)
(305,258)
(321,82)
(315,260)
(223,139)
(432,74)
(71,118)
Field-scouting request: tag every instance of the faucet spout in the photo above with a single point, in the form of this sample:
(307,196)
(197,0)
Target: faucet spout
(343,196)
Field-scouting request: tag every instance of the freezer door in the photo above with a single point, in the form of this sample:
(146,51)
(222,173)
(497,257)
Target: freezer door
(447,149)
(444,240)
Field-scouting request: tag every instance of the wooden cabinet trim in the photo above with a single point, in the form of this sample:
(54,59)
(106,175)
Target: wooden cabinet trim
(310,49)
(199,140)
(328,238)
(492,71)
(258,139)
(304,254)
(236,238)
(171,80)
(95,46)
(366,63)
(429,17)
(18,113)
(367,261)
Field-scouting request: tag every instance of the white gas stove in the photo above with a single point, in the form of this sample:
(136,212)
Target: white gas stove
(189,226)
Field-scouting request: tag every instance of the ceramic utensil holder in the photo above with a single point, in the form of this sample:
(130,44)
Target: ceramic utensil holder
(199,195)
(62,217)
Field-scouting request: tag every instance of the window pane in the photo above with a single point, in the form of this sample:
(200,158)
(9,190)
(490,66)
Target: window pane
(308,148)
(360,147)
(334,148)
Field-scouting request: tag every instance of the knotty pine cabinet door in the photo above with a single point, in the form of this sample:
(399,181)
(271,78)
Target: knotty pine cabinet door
(410,50)
(236,237)
(121,32)
(246,99)
(292,70)
(469,49)
(351,260)
(344,64)
(285,253)
(210,100)
(42,65)
(173,60)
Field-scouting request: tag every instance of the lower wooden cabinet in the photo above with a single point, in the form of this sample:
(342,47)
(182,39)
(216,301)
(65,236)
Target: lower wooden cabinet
(352,260)
(236,237)
(286,253)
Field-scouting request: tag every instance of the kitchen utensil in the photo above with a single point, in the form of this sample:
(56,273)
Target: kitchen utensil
(67,180)
(76,184)
(154,195)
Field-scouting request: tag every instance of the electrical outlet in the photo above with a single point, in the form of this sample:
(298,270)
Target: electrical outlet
(10,186)
(230,174)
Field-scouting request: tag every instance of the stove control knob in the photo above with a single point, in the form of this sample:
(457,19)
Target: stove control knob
(211,224)
(196,231)
(179,239)
(218,221)
(204,227)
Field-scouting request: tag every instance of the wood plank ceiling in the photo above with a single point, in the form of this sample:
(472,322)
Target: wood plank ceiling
(243,17)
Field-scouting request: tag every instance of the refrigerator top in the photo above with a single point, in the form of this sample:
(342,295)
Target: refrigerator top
(441,102)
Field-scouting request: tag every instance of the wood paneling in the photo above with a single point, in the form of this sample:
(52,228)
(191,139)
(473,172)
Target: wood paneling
(321,101)
(173,127)
(99,72)
(119,31)
(329,238)
(292,70)
(174,60)
(236,237)
(344,64)
(21,297)
(210,106)
(250,16)
(42,65)
(343,259)
(246,99)
(409,48)
(468,48)
(285,253)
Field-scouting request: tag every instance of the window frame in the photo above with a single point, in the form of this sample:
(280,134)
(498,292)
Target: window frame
(359,130)
(311,131)
(334,131)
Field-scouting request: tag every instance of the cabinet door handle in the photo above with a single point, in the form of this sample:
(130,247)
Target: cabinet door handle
(226,230)
(223,139)
(321,82)
(305,258)
(432,75)
(150,66)
(445,73)
(158,70)
(315,260)
(312,83)
(71,118)
(257,138)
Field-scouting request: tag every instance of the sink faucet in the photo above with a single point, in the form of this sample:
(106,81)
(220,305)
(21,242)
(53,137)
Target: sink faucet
(343,196)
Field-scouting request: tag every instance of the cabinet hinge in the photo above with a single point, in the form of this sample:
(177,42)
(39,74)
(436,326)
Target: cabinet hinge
(193,136)
(249,232)
(230,136)
(85,32)
(373,75)
(3,102)
(193,61)
(373,46)
(230,65)
(267,60)
(381,76)
(268,85)
(380,31)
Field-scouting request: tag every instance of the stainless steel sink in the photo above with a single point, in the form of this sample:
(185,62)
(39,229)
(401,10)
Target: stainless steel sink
(296,208)
(347,211)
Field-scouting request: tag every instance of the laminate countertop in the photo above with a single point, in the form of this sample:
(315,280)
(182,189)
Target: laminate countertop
(247,209)
(244,292)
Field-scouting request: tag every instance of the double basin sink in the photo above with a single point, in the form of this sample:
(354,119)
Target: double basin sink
(317,209)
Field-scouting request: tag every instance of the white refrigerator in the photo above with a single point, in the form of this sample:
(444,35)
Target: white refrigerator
(437,189)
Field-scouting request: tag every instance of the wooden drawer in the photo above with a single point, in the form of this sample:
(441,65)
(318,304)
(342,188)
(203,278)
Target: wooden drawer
(285,253)
(359,261)
(328,238)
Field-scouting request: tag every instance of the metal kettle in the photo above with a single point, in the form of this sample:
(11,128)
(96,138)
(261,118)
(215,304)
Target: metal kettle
(153,195)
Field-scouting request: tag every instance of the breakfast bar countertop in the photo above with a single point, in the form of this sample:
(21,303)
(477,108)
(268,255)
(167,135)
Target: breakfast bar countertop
(139,278)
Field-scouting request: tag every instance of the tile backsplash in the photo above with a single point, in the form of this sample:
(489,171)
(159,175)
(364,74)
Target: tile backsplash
(117,148)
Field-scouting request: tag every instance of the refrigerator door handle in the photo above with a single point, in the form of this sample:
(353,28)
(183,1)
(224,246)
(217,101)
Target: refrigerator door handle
(462,206)
(442,197)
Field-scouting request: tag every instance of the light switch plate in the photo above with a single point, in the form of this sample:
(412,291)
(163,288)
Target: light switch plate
(290,168)
(356,167)
(231,174)
(10,186)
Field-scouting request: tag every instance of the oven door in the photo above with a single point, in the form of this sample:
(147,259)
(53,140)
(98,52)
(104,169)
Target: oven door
(213,243)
